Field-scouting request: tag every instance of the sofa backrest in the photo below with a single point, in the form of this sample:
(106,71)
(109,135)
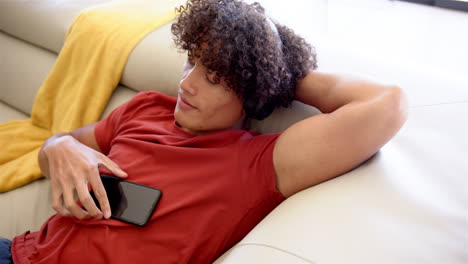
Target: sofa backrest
(34,34)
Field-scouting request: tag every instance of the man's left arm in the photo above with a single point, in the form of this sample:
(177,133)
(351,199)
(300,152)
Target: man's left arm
(358,118)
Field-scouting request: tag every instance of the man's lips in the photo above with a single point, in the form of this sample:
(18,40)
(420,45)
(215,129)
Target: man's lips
(185,103)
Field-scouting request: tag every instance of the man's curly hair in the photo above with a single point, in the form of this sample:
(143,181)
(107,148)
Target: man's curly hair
(261,65)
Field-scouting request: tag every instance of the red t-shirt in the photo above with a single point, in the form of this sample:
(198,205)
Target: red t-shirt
(216,188)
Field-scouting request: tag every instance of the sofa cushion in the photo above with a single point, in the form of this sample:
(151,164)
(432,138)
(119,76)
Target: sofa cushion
(259,253)
(26,68)
(27,207)
(154,65)
(407,204)
(42,23)
(9,113)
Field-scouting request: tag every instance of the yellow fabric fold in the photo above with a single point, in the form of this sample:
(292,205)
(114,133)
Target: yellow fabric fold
(76,90)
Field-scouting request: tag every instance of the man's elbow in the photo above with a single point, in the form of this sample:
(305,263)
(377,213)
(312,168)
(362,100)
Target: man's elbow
(397,107)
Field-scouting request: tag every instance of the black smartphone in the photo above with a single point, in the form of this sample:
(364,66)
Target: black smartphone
(130,202)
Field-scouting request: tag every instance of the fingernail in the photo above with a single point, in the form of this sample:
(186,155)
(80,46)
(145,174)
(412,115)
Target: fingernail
(107,214)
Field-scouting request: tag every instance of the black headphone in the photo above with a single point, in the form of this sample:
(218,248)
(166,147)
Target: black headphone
(256,110)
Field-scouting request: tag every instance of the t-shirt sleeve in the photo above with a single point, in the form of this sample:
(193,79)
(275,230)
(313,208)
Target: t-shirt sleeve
(107,129)
(256,156)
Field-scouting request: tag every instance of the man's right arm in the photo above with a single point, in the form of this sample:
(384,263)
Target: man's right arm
(71,161)
(85,135)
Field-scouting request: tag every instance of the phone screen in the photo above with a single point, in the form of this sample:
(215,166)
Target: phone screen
(130,202)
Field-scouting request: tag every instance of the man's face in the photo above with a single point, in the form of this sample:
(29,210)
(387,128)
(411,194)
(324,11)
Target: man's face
(204,106)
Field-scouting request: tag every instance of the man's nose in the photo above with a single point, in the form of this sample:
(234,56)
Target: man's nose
(187,83)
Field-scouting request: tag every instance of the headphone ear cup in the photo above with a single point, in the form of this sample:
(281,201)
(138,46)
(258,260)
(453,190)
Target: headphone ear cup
(265,111)
(257,110)
(249,108)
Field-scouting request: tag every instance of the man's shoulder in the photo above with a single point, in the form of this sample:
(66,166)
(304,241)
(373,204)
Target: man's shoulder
(153,96)
(146,102)
(256,142)
(153,100)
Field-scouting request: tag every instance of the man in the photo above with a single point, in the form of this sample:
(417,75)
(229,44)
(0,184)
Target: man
(218,178)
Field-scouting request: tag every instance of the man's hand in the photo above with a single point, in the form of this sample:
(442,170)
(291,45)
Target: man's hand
(71,166)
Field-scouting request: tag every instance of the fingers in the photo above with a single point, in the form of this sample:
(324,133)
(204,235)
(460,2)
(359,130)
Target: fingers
(101,195)
(88,202)
(72,206)
(98,187)
(57,192)
(57,204)
(63,197)
(113,167)
(71,167)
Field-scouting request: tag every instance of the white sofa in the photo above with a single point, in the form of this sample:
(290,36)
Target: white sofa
(407,204)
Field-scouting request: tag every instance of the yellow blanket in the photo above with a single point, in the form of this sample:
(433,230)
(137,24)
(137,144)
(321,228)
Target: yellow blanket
(75,92)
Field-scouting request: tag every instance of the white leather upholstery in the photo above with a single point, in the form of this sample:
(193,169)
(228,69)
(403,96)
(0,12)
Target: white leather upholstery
(24,68)
(26,208)
(259,253)
(407,204)
(9,113)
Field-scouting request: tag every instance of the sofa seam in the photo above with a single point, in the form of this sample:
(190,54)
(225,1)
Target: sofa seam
(277,249)
(14,108)
(29,42)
